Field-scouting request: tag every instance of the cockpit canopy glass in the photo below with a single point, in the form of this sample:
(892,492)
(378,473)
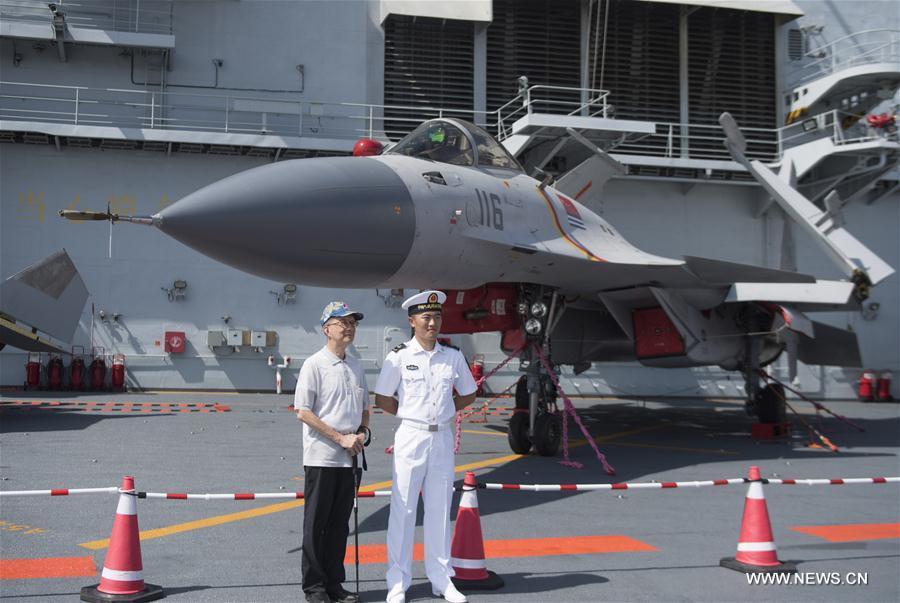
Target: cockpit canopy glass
(438,141)
(443,141)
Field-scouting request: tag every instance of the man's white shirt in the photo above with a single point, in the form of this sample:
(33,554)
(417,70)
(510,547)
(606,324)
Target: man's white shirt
(423,381)
(334,390)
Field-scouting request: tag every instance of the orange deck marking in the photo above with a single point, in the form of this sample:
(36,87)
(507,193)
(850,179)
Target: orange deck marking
(852,532)
(48,567)
(521,547)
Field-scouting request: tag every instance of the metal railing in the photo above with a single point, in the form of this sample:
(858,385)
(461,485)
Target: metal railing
(139,16)
(859,48)
(271,116)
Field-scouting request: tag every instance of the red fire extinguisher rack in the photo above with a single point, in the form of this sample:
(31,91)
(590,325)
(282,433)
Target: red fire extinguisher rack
(33,371)
(117,374)
(76,369)
(98,370)
(55,371)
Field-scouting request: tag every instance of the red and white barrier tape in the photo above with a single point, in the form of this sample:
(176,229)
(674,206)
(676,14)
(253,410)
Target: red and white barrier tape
(694,484)
(60,491)
(660,485)
(244,495)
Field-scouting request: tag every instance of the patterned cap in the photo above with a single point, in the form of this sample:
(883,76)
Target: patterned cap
(338,309)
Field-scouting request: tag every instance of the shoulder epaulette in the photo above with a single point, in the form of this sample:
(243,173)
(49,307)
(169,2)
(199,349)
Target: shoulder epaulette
(399,347)
(447,345)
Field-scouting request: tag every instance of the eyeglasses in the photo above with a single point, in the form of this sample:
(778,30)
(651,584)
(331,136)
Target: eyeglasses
(347,323)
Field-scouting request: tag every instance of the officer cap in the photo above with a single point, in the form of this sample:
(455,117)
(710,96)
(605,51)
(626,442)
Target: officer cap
(424,302)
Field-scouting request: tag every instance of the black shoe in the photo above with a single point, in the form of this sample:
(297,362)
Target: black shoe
(318,597)
(340,595)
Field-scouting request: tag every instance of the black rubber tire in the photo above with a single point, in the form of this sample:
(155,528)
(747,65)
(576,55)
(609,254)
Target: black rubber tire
(522,393)
(518,433)
(547,434)
(770,406)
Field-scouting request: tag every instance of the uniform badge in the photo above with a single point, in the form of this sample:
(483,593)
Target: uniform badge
(432,298)
(412,367)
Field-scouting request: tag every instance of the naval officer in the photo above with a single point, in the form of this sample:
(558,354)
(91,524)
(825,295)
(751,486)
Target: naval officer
(331,400)
(416,384)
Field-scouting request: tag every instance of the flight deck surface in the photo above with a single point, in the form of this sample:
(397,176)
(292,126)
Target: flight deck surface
(620,545)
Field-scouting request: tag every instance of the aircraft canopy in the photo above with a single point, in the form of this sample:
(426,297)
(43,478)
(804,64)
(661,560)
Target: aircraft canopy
(456,142)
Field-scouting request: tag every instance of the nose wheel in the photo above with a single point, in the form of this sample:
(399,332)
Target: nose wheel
(544,434)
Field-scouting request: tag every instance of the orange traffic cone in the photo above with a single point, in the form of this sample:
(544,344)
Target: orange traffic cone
(756,546)
(122,578)
(467,550)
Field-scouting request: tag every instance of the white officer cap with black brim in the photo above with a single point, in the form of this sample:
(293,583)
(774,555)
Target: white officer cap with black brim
(426,301)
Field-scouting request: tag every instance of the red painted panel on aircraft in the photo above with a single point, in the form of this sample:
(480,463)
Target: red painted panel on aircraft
(655,335)
(481,310)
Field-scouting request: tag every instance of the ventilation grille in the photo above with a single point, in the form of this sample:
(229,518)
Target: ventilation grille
(640,63)
(539,39)
(427,63)
(732,68)
(795,44)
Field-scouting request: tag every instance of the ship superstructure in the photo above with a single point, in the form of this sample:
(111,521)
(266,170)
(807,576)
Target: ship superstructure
(136,104)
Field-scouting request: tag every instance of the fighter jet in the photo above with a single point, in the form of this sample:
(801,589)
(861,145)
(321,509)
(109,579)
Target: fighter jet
(449,208)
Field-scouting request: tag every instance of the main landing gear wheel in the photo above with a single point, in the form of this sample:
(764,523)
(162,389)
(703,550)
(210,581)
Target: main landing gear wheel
(547,433)
(518,433)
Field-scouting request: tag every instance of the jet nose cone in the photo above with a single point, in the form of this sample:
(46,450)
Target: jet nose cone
(334,222)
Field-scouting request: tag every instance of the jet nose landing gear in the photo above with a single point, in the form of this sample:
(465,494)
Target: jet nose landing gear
(544,432)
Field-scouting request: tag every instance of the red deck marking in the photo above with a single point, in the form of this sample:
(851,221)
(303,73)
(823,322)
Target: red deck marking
(852,532)
(244,496)
(47,567)
(620,486)
(669,485)
(176,496)
(568,487)
(59,492)
(521,547)
(879,480)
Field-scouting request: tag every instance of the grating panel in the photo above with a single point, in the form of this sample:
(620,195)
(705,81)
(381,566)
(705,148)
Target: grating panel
(428,62)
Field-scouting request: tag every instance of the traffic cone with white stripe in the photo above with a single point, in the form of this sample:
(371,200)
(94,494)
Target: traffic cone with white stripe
(467,549)
(756,546)
(122,578)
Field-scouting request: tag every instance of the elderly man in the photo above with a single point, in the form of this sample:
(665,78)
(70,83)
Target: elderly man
(332,402)
(416,384)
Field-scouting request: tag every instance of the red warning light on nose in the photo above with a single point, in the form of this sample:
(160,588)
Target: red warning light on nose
(366,147)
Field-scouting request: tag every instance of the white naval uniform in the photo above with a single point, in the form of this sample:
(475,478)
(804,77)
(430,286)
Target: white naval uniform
(423,383)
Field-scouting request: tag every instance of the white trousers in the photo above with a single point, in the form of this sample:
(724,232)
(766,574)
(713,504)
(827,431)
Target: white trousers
(423,461)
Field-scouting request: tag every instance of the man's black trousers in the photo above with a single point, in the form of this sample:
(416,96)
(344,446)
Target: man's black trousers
(326,524)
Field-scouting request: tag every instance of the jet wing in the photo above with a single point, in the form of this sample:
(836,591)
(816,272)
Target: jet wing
(852,257)
(47,296)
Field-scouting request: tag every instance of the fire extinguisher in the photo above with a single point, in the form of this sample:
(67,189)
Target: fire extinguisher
(54,373)
(883,387)
(117,374)
(33,371)
(866,381)
(76,370)
(478,372)
(98,372)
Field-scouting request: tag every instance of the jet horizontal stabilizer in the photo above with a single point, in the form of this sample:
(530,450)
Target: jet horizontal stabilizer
(830,346)
(717,272)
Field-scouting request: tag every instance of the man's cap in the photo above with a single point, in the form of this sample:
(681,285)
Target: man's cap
(338,309)
(424,302)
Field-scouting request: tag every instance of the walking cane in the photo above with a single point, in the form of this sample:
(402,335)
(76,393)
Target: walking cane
(357,477)
(356,518)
